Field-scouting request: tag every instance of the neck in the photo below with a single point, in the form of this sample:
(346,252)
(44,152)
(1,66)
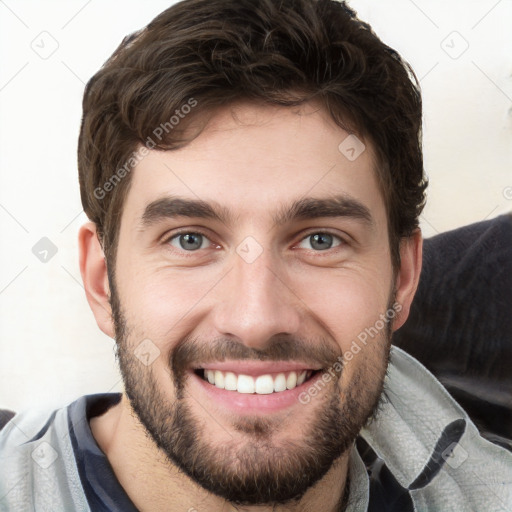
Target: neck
(154,484)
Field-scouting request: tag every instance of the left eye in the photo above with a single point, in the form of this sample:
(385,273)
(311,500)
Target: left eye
(189,241)
(321,241)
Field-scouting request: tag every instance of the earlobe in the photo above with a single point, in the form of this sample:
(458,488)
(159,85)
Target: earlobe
(408,277)
(93,269)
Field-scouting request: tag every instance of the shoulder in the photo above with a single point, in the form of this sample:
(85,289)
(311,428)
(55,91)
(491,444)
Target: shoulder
(37,464)
(426,450)
(20,429)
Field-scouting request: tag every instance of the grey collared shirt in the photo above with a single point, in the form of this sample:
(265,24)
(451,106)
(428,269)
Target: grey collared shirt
(432,449)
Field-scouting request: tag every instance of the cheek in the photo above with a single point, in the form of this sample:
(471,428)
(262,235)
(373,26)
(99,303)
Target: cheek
(164,304)
(349,303)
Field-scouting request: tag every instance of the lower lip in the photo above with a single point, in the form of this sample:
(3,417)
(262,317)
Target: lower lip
(252,403)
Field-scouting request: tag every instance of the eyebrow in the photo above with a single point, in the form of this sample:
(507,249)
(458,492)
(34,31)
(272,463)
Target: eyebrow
(302,209)
(172,207)
(337,206)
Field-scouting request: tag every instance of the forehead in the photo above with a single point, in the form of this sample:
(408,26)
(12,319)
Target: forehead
(255,159)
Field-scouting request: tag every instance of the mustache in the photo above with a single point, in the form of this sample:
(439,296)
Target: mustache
(191,352)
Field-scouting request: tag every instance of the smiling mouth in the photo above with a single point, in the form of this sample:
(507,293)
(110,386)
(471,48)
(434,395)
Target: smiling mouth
(264,384)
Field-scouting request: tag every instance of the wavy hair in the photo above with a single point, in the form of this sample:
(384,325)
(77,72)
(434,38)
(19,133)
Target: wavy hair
(281,52)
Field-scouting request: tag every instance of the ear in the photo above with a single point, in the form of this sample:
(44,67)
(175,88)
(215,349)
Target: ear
(93,268)
(407,279)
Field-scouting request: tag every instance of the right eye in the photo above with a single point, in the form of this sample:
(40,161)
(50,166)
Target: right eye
(189,241)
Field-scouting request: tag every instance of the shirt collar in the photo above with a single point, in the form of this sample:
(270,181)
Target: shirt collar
(412,418)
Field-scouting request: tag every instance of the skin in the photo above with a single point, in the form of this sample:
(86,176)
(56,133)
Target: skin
(255,163)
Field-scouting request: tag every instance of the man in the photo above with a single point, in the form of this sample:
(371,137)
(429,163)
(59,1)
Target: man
(253,175)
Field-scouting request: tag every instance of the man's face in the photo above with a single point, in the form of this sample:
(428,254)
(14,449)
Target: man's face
(272,282)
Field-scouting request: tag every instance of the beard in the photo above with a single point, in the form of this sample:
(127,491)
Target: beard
(260,469)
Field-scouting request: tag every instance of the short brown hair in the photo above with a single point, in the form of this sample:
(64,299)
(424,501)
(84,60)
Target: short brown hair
(209,53)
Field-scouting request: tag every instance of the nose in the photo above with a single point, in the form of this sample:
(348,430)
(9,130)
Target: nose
(257,303)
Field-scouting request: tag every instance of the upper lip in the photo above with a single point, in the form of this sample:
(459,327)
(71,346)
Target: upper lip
(258,367)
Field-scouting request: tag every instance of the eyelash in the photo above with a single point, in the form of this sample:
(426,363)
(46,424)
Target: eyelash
(342,241)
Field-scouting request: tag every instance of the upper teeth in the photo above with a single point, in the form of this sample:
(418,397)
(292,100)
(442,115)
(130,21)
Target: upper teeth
(262,385)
